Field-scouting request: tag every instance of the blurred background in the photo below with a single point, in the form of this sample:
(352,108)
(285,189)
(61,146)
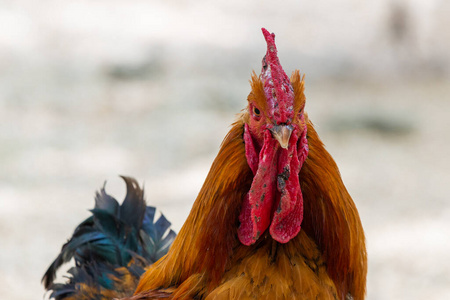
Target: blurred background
(93,89)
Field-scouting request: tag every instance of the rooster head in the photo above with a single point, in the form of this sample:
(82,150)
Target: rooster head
(275,148)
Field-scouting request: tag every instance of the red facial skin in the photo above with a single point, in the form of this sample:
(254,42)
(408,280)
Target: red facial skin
(275,198)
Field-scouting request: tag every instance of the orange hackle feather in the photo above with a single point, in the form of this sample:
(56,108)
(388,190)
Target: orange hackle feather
(326,260)
(200,252)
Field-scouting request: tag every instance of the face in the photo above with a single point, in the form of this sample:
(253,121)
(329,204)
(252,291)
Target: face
(275,153)
(281,119)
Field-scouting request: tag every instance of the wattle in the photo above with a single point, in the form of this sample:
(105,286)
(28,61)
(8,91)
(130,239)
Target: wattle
(275,198)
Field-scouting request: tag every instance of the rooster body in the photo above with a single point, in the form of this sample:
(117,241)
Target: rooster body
(273,219)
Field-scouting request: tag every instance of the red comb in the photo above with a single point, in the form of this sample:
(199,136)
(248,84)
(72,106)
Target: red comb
(277,87)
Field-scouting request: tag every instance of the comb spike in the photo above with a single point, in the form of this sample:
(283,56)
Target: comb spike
(277,87)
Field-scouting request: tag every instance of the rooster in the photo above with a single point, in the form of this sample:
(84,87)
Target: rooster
(273,219)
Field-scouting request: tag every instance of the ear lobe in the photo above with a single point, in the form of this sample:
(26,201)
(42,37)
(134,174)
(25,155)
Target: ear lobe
(250,150)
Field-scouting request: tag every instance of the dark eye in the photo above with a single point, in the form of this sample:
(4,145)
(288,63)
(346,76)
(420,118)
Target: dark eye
(256,111)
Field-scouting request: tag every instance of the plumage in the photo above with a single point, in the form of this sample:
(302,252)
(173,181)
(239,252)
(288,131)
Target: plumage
(273,219)
(112,248)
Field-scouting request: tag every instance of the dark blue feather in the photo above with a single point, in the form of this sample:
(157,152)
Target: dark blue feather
(115,236)
(105,202)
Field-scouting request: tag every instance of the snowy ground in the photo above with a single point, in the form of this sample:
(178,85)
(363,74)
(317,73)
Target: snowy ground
(93,89)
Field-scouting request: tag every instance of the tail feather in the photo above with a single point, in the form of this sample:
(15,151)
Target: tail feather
(132,210)
(157,239)
(111,248)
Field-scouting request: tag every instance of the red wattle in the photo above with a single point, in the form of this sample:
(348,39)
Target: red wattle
(288,216)
(276,177)
(257,206)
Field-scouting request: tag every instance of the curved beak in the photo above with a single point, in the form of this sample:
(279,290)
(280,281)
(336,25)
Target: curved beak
(282,134)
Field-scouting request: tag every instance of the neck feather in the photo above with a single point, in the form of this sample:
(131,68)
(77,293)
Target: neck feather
(332,220)
(209,236)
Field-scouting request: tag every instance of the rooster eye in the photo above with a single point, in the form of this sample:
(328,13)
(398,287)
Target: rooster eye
(256,111)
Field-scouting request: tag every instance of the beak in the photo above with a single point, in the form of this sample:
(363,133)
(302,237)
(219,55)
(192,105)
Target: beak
(282,134)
